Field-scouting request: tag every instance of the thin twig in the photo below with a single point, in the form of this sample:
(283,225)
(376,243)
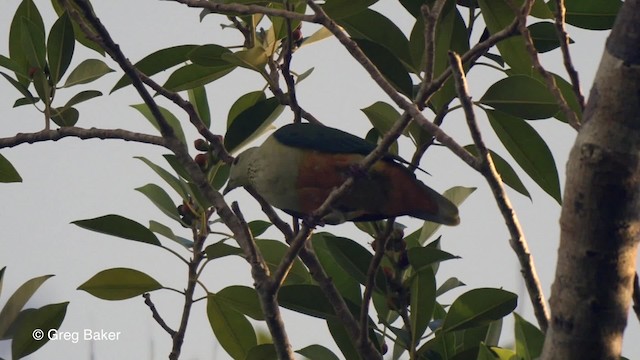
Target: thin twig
(287,48)
(381,243)
(521,17)
(156,315)
(488,170)
(566,55)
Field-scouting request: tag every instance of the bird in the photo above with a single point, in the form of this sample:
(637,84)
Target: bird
(300,164)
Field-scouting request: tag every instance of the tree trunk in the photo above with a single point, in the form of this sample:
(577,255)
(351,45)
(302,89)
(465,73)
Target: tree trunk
(600,221)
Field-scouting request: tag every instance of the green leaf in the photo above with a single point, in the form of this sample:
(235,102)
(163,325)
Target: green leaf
(171,119)
(528,149)
(17,301)
(521,96)
(304,75)
(119,226)
(209,55)
(9,64)
(21,88)
(176,184)
(26,10)
(351,256)
(507,174)
(242,299)
(82,96)
(192,76)
(198,98)
(348,287)
(381,115)
(273,251)
(449,284)
(158,61)
(166,231)
(262,352)
(457,195)
(317,352)
(377,28)
(87,71)
(221,249)
(423,300)
(258,227)
(422,257)
(338,9)
(306,299)
(479,307)
(8,173)
(243,103)
(232,329)
(591,14)
(60,47)
(65,116)
(42,86)
(253,59)
(161,199)
(497,14)
(45,318)
(484,353)
(33,44)
(80,36)
(529,339)
(251,123)
(388,64)
(342,339)
(544,36)
(119,284)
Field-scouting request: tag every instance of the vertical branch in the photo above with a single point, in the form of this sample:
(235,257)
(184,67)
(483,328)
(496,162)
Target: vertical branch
(521,16)
(380,246)
(566,55)
(488,170)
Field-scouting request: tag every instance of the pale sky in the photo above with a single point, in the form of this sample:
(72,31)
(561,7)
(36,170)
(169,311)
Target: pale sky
(72,179)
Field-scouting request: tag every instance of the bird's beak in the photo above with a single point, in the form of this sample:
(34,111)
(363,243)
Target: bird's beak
(227,189)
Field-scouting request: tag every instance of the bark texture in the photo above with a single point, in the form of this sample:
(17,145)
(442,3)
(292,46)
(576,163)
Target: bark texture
(600,221)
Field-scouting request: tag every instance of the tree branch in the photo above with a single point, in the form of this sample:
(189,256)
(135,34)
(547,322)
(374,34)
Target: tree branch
(238,227)
(488,170)
(81,133)
(381,244)
(521,17)
(221,8)
(156,315)
(566,55)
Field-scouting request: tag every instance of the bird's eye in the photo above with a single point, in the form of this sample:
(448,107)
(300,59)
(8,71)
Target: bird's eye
(235,161)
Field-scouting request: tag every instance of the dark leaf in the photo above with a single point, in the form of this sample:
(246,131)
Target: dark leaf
(528,149)
(45,318)
(521,96)
(232,329)
(60,46)
(159,61)
(119,226)
(251,123)
(479,307)
(8,173)
(119,284)
(507,174)
(65,116)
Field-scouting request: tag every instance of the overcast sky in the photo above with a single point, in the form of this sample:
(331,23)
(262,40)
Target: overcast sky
(72,179)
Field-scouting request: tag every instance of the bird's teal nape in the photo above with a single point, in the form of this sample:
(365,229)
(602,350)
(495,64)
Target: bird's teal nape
(299,165)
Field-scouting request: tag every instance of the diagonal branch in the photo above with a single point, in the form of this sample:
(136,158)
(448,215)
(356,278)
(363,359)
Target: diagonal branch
(566,55)
(488,170)
(521,17)
(237,226)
